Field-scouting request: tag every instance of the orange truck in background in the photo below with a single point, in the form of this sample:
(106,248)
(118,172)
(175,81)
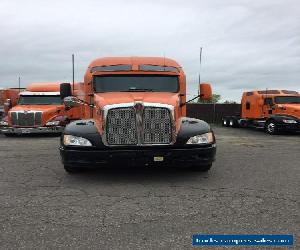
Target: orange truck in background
(274,111)
(8,98)
(135,113)
(38,109)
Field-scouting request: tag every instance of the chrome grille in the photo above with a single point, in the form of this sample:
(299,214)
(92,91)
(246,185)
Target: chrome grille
(121,127)
(157,126)
(128,126)
(27,119)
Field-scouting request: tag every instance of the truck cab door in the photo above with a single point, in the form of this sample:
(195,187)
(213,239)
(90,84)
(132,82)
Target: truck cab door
(268,106)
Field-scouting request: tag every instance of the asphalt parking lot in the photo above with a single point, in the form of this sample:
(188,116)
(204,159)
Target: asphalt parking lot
(253,188)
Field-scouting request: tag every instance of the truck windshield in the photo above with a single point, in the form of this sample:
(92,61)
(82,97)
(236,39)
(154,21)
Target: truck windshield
(287,99)
(40,100)
(136,83)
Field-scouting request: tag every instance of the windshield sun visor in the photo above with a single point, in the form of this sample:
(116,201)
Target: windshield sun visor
(110,68)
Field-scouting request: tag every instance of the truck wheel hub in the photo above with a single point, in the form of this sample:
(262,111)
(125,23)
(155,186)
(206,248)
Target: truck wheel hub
(271,127)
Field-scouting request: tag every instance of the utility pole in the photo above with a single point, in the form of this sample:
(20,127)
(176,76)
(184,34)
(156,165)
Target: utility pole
(19,84)
(200,59)
(73,77)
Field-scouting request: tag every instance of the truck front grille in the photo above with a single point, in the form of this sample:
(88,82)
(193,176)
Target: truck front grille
(28,119)
(121,127)
(157,126)
(124,126)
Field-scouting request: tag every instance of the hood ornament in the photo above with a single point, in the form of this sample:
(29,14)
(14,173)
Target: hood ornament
(139,106)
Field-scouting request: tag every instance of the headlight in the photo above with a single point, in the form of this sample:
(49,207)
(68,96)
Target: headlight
(58,120)
(289,121)
(201,139)
(3,123)
(71,140)
(53,123)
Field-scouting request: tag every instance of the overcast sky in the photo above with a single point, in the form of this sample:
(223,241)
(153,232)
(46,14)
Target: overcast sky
(246,44)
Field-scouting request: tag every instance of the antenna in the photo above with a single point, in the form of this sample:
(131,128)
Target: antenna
(73,77)
(200,60)
(19,84)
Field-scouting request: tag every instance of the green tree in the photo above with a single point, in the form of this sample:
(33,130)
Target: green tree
(229,102)
(215,99)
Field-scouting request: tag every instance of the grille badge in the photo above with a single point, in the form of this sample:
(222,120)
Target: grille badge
(138,106)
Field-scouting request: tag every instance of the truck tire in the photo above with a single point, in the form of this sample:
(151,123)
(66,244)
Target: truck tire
(72,170)
(271,127)
(232,122)
(243,124)
(203,168)
(225,122)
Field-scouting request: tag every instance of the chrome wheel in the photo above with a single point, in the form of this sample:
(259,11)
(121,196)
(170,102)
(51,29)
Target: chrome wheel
(271,128)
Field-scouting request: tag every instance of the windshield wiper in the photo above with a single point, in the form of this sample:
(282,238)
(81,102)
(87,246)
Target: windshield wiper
(137,90)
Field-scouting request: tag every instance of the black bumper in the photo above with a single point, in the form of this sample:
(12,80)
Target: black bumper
(181,157)
(289,127)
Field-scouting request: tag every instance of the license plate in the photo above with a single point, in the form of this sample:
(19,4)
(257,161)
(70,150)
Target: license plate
(158,158)
(25,131)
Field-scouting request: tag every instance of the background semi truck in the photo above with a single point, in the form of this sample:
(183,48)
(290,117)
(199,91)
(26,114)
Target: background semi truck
(135,114)
(38,109)
(271,110)
(8,98)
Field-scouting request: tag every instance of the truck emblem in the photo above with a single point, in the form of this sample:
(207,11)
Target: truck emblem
(138,106)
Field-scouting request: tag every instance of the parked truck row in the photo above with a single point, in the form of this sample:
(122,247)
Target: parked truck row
(132,110)
(128,110)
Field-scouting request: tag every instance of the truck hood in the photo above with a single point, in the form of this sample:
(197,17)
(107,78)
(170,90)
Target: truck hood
(102,99)
(291,109)
(49,112)
(43,108)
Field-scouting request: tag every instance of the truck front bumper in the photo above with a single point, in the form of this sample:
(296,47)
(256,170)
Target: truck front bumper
(34,130)
(181,157)
(294,127)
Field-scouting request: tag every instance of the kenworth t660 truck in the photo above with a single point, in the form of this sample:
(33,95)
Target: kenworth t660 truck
(135,113)
(272,110)
(39,109)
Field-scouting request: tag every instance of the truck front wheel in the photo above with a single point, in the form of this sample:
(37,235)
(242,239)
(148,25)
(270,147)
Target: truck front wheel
(271,127)
(203,168)
(233,122)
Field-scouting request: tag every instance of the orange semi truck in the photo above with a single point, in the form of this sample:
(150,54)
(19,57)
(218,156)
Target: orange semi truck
(135,113)
(9,97)
(38,109)
(274,111)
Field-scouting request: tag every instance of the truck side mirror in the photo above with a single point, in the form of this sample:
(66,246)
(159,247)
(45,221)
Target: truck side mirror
(65,90)
(205,91)
(8,104)
(72,101)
